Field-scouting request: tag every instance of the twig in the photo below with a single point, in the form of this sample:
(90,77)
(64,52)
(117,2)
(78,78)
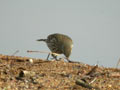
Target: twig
(118,63)
(30,51)
(15,52)
(86,85)
(49,53)
(82,82)
(92,70)
(93,80)
(89,74)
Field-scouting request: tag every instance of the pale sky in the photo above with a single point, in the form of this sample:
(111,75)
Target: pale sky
(94,26)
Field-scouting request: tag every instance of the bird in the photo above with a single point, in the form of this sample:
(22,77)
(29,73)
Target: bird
(59,44)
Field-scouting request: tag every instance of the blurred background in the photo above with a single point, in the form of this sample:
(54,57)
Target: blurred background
(94,26)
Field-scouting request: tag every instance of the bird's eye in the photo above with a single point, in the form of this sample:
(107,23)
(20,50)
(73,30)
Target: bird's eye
(53,40)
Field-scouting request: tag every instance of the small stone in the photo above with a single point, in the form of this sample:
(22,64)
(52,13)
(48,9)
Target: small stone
(31,60)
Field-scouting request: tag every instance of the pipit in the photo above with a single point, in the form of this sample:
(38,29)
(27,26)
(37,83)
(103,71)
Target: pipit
(59,44)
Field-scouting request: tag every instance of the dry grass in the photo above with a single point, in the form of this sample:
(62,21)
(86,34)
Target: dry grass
(22,73)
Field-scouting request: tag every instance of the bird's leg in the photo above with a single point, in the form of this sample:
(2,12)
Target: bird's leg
(54,56)
(48,56)
(68,59)
(71,61)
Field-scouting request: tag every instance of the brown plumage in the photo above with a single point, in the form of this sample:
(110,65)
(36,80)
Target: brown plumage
(60,44)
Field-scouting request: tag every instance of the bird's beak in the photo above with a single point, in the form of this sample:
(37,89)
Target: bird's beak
(38,40)
(42,40)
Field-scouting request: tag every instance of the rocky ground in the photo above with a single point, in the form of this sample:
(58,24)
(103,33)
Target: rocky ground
(23,73)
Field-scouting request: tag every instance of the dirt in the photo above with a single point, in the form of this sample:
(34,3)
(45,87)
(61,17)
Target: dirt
(24,73)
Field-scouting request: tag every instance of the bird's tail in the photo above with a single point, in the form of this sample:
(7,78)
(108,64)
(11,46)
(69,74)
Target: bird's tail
(42,40)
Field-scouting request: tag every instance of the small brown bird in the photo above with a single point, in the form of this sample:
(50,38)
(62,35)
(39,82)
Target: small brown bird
(59,44)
